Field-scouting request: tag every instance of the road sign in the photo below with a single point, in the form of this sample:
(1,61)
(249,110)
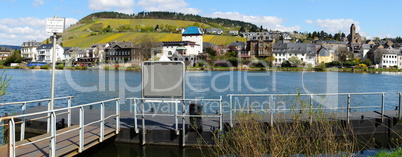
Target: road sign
(55,25)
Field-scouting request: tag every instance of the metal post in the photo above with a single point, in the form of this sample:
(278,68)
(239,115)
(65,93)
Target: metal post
(348,109)
(53,72)
(143,123)
(183,122)
(81,141)
(23,109)
(135,116)
(48,117)
(176,118)
(230,111)
(52,151)
(130,101)
(102,122)
(400,104)
(382,107)
(220,114)
(11,137)
(271,104)
(117,116)
(69,112)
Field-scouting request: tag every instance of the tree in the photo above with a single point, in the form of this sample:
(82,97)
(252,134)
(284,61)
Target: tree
(211,52)
(14,58)
(241,30)
(231,54)
(146,44)
(295,61)
(156,27)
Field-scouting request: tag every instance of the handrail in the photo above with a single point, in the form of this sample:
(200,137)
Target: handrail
(24,107)
(32,101)
(271,104)
(176,114)
(53,135)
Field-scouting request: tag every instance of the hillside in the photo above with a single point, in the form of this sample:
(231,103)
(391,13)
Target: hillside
(103,30)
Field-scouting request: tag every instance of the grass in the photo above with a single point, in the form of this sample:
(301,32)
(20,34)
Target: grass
(396,153)
(291,134)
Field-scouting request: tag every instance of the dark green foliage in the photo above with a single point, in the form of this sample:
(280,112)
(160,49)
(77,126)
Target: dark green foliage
(14,58)
(170,16)
(125,28)
(211,52)
(44,67)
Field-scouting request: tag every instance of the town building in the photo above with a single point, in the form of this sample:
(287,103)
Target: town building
(28,50)
(193,34)
(45,53)
(97,52)
(386,58)
(283,51)
(260,44)
(123,52)
(217,31)
(5,52)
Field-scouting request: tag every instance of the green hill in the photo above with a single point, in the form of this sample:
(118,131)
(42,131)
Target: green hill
(83,35)
(92,30)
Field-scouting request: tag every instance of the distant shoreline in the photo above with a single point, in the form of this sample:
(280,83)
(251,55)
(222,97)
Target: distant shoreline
(295,69)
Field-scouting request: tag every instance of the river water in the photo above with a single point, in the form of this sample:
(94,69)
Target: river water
(96,85)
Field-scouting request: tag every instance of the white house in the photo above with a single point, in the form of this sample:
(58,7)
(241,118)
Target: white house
(193,34)
(28,50)
(45,53)
(283,51)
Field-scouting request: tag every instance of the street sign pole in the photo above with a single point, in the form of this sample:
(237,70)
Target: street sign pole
(54,25)
(51,106)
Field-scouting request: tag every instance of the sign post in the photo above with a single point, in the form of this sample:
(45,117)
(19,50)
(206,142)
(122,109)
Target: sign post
(54,25)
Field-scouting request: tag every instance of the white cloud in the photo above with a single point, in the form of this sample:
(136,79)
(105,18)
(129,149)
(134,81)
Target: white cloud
(167,5)
(269,22)
(124,6)
(16,31)
(37,3)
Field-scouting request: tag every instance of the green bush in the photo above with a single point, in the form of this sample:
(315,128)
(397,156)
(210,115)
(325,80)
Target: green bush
(44,66)
(320,67)
(60,66)
(31,67)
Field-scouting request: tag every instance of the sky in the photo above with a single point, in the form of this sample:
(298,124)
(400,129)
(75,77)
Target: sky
(24,20)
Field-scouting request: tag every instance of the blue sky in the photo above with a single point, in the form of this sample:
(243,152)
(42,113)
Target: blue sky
(23,20)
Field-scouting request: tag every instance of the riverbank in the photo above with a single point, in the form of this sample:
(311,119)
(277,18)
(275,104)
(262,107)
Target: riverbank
(362,70)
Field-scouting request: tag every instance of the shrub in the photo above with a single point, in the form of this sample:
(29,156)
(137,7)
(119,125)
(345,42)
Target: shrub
(60,66)
(44,66)
(31,67)
(320,67)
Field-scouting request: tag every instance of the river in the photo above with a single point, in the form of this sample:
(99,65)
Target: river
(96,85)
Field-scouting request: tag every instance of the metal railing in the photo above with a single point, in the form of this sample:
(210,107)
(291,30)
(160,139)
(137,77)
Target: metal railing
(272,108)
(24,108)
(140,102)
(53,135)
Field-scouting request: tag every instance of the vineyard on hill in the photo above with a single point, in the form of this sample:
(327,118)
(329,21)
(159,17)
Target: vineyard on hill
(102,29)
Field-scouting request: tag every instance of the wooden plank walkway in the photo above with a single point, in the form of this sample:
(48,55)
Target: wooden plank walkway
(67,144)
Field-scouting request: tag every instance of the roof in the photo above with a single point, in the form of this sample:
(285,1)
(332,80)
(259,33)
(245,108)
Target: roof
(45,46)
(192,30)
